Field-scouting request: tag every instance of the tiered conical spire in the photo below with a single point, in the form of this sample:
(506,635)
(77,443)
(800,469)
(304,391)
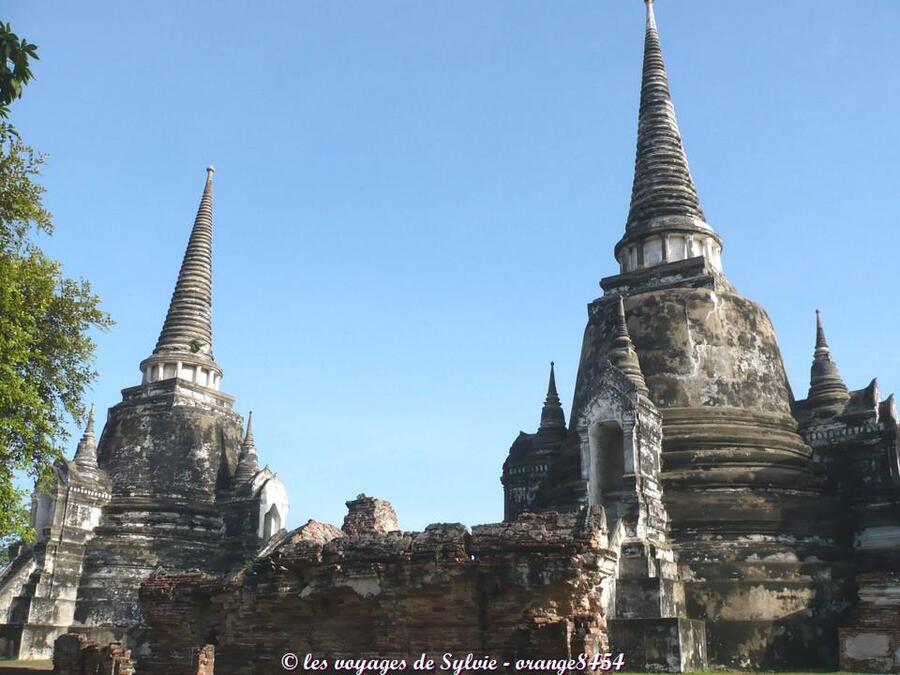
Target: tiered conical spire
(188,324)
(664,199)
(248,461)
(663,185)
(552,414)
(623,355)
(826,387)
(86,453)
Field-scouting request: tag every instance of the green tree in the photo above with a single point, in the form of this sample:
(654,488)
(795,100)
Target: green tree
(15,66)
(46,319)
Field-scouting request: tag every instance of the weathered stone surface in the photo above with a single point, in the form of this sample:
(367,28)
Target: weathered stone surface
(370,515)
(870,636)
(692,512)
(169,448)
(661,644)
(38,588)
(75,654)
(870,650)
(739,482)
(754,533)
(535,586)
(531,456)
(160,490)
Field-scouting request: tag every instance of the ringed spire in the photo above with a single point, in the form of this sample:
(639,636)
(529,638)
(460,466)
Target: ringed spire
(248,460)
(826,387)
(184,348)
(86,453)
(665,220)
(552,415)
(623,354)
(188,324)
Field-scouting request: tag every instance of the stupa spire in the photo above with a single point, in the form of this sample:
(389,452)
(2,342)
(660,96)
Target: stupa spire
(623,355)
(826,387)
(664,200)
(188,324)
(184,347)
(248,460)
(552,414)
(249,442)
(86,453)
(821,342)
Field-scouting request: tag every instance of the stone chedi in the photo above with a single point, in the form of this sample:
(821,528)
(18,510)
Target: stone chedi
(530,455)
(690,513)
(173,483)
(766,512)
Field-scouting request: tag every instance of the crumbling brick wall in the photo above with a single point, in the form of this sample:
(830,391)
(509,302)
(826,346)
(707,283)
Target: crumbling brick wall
(532,587)
(368,514)
(75,654)
(183,617)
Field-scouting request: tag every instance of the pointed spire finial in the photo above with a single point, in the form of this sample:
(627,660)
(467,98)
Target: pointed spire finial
(651,15)
(663,185)
(551,386)
(623,354)
(621,323)
(248,460)
(821,342)
(826,387)
(552,414)
(86,453)
(248,435)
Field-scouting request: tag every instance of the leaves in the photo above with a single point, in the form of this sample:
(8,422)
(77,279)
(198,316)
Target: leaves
(15,70)
(46,348)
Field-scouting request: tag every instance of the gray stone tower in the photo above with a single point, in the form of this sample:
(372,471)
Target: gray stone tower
(854,435)
(175,480)
(531,455)
(749,523)
(169,448)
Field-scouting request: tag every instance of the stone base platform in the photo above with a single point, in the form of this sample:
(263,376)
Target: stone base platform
(665,645)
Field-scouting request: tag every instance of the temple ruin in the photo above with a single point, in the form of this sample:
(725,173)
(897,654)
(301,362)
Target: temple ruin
(688,512)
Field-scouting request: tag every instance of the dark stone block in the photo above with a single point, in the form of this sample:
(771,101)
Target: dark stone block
(670,645)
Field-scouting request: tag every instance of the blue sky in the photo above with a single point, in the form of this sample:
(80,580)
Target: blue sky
(415,202)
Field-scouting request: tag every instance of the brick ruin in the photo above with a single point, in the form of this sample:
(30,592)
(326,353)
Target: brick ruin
(75,654)
(527,588)
(690,513)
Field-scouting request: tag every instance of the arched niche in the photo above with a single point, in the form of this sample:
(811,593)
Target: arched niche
(607,442)
(271,522)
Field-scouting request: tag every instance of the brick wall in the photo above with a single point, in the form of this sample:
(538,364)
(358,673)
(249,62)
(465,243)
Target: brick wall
(532,587)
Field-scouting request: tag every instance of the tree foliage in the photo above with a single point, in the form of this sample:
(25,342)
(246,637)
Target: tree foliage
(15,67)
(46,319)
